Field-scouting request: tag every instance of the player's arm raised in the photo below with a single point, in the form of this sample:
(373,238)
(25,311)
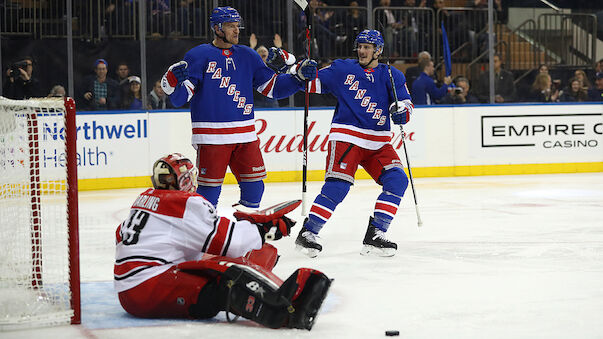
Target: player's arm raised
(279,86)
(176,83)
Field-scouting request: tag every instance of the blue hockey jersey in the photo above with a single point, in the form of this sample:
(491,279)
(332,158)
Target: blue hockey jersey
(220,90)
(363,98)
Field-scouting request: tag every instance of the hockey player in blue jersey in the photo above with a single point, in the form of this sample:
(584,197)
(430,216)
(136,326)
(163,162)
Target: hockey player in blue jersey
(360,135)
(218,79)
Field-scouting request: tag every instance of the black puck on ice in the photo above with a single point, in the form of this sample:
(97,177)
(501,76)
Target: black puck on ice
(392,333)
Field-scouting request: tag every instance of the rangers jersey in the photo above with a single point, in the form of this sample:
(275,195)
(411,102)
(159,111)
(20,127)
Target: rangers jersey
(168,227)
(363,98)
(220,90)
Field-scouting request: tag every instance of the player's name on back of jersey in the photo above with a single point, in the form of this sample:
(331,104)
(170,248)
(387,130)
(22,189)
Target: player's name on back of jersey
(147,202)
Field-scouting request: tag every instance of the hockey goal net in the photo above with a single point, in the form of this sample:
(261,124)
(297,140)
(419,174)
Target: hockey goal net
(39,259)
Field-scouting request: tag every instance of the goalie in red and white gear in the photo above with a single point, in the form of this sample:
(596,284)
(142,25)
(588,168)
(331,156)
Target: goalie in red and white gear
(195,263)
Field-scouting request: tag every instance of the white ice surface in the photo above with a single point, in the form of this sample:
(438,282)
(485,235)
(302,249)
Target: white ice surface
(497,257)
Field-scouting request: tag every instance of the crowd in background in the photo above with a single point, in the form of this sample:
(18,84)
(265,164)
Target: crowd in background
(111,86)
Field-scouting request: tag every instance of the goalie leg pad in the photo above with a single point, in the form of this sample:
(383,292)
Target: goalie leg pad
(248,293)
(294,304)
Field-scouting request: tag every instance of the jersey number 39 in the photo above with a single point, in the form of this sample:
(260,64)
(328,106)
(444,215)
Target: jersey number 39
(130,229)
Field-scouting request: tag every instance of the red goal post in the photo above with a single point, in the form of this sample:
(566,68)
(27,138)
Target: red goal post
(39,265)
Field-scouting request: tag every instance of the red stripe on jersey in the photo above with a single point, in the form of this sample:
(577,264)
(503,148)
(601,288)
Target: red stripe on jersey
(121,269)
(224,130)
(215,247)
(118,234)
(312,86)
(269,86)
(317,209)
(379,138)
(386,207)
(171,202)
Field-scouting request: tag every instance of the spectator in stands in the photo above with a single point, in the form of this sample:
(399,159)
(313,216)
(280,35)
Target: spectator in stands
(123,72)
(581,75)
(455,23)
(324,26)
(57,91)
(543,68)
(543,90)
(188,17)
(101,92)
(424,90)
(413,72)
(461,94)
(391,30)
(504,88)
(118,17)
(159,17)
(157,98)
(596,92)
(355,22)
(133,100)
(574,92)
(20,82)
(478,21)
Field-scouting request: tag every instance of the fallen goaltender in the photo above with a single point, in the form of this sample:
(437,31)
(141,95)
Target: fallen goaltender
(194,263)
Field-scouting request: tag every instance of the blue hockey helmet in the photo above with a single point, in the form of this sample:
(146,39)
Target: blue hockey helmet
(370,36)
(220,15)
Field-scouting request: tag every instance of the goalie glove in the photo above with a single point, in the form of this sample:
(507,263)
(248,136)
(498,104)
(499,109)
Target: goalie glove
(175,75)
(400,111)
(279,60)
(271,222)
(305,70)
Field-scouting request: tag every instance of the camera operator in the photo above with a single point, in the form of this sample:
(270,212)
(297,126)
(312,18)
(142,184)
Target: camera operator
(460,94)
(20,84)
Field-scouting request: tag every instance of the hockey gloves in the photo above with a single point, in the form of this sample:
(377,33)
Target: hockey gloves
(279,60)
(272,222)
(400,111)
(305,70)
(175,75)
(276,229)
(269,229)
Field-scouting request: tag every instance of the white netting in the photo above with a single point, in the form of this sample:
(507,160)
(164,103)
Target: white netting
(34,259)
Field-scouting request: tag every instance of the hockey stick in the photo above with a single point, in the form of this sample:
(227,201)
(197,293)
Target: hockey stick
(304,6)
(412,184)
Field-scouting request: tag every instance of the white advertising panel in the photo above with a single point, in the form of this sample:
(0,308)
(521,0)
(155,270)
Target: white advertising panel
(116,145)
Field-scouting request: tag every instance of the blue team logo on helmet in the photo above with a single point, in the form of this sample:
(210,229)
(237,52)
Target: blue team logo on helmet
(370,36)
(220,15)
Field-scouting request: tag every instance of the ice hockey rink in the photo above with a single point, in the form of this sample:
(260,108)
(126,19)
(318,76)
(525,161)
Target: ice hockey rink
(496,257)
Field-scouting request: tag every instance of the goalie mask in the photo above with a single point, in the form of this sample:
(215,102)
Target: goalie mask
(174,172)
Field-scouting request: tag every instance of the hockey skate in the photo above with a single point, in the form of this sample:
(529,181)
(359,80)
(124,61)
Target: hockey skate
(307,243)
(375,243)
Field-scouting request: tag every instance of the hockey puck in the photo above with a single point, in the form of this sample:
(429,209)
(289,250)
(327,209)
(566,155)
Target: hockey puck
(392,333)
